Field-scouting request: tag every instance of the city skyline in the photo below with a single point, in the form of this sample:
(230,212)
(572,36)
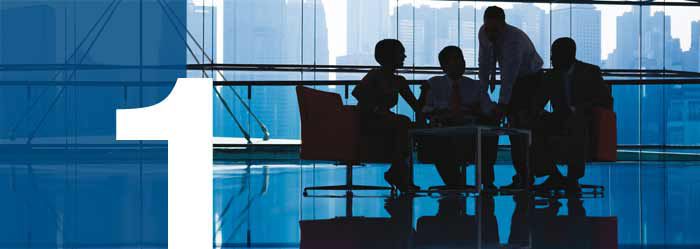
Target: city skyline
(338,28)
(275,32)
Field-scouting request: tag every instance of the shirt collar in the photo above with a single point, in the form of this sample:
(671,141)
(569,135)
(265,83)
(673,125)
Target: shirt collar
(450,81)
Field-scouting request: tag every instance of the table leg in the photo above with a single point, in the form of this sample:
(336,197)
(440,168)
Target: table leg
(479,221)
(528,170)
(478,160)
(410,158)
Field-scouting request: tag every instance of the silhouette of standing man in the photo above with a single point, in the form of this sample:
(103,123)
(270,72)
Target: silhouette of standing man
(520,67)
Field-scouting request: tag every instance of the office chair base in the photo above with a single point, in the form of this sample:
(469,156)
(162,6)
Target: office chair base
(444,189)
(587,190)
(348,188)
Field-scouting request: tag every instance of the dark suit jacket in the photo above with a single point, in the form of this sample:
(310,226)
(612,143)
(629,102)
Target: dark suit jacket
(587,90)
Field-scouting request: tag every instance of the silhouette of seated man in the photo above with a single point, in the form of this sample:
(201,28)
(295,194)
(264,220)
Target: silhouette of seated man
(573,88)
(453,99)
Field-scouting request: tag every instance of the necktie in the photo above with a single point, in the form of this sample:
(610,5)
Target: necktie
(492,76)
(455,99)
(567,89)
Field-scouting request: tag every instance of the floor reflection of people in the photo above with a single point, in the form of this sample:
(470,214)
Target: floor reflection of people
(400,210)
(545,228)
(452,227)
(520,221)
(356,232)
(567,231)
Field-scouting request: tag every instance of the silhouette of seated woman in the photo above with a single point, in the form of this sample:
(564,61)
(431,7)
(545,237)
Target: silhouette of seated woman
(377,93)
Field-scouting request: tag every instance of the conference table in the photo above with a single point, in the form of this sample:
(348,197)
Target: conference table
(469,131)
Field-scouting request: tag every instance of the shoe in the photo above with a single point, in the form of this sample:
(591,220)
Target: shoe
(399,181)
(572,187)
(517,185)
(490,187)
(553,182)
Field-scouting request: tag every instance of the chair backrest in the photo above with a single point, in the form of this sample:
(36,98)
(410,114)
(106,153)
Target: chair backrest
(331,131)
(314,104)
(326,129)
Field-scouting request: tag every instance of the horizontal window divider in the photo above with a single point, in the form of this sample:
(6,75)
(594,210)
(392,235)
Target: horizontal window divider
(411,70)
(624,82)
(601,2)
(65,67)
(125,83)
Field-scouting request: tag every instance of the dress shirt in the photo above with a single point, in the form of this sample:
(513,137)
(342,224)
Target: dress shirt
(515,54)
(470,92)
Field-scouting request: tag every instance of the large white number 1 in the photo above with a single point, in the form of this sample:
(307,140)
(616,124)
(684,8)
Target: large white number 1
(184,118)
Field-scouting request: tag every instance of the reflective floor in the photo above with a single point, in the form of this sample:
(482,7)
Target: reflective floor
(107,199)
(644,205)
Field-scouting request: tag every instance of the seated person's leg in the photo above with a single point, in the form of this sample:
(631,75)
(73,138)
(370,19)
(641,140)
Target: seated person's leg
(542,156)
(544,165)
(489,154)
(518,154)
(444,154)
(577,151)
(546,150)
(398,174)
(449,172)
(401,125)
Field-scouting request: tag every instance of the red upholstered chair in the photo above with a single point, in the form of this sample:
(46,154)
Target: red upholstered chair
(330,131)
(603,144)
(603,135)
(575,232)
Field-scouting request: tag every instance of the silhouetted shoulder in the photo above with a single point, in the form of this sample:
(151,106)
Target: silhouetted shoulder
(434,79)
(482,36)
(470,80)
(372,75)
(548,75)
(587,67)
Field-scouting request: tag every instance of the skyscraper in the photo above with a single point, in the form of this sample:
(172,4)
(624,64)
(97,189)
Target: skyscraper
(270,32)
(531,20)
(582,23)
(468,32)
(367,23)
(691,58)
(626,53)
(695,47)
(425,31)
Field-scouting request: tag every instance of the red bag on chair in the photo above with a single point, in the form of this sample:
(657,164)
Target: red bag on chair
(604,135)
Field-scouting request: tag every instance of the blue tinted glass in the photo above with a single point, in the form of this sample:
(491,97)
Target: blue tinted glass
(65,67)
